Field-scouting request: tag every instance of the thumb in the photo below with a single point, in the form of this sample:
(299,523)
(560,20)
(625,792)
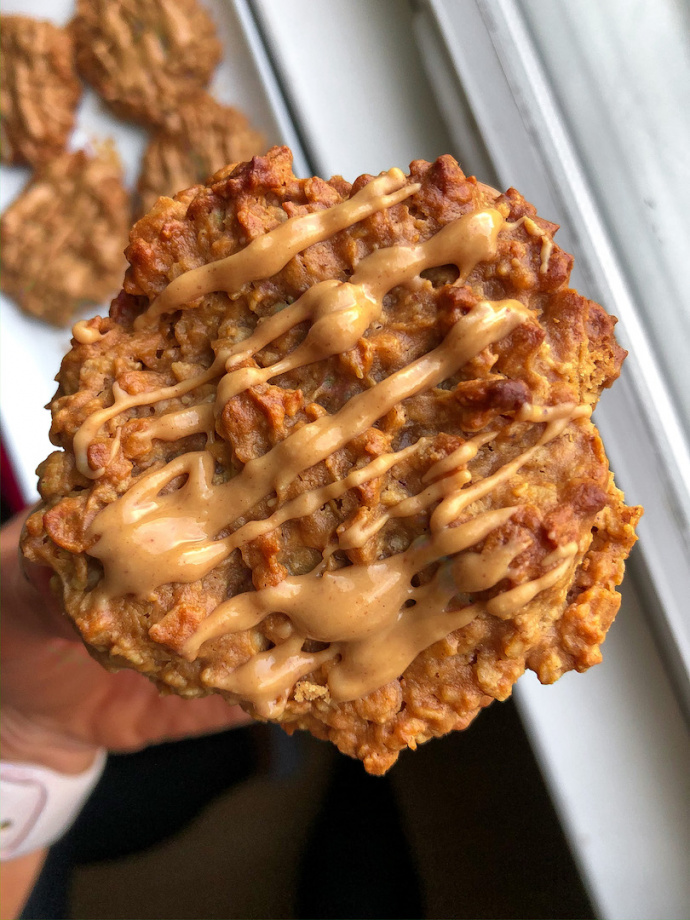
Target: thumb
(30,610)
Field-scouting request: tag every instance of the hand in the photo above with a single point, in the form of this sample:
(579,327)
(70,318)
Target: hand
(59,705)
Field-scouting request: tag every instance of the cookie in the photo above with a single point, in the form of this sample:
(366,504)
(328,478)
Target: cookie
(64,237)
(209,136)
(331,455)
(145,57)
(39,89)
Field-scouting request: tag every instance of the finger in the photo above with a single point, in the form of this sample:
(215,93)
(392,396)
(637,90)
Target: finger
(30,609)
(153,718)
(205,716)
(51,618)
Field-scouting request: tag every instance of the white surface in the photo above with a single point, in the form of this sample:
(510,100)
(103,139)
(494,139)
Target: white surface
(621,73)
(31,351)
(613,743)
(346,47)
(615,752)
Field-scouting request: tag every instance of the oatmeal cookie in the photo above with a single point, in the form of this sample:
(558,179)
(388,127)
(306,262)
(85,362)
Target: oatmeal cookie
(145,57)
(63,238)
(330,455)
(39,89)
(209,136)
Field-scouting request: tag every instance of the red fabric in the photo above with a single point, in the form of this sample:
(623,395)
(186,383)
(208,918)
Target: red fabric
(11,492)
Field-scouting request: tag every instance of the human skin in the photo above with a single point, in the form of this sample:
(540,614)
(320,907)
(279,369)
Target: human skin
(59,706)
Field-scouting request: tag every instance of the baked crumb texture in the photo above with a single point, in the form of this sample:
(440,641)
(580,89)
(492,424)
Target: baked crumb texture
(559,530)
(145,57)
(62,239)
(209,136)
(39,89)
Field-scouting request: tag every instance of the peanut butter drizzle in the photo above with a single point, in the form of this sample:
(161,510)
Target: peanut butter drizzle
(558,419)
(546,250)
(86,334)
(122,401)
(508,603)
(181,423)
(535,230)
(341,312)
(265,677)
(267,254)
(373,618)
(361,610)
(142,579)
(460,457)
(480,571)
(146,541)
(358,533)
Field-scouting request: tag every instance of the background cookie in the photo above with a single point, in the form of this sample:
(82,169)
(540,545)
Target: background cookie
(209,136)
(39,89)
(63,238)
(145,56)
(340,469)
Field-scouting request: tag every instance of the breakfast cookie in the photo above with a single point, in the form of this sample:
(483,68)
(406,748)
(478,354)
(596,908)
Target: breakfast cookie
(145,57)
(209,136)
(39,89)
(64,237)
(330,455)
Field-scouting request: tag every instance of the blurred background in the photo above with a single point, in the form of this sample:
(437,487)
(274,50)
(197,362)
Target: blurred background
(572,800)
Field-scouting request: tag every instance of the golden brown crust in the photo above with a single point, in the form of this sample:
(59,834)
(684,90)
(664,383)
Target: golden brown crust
(39,89)
(564,353)
(208,136)
(63,238)
(145,57)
